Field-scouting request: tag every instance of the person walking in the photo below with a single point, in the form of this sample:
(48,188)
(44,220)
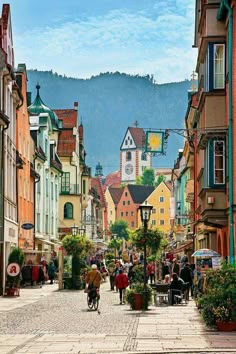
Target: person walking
(187,275)
(112,275)
(51,272)
(121,282)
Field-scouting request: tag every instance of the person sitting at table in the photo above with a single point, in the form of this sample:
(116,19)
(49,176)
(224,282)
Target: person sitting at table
(166,279)
(175,288)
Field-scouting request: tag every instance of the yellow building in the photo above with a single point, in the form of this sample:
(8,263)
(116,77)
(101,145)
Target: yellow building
(112,195)
(160,200)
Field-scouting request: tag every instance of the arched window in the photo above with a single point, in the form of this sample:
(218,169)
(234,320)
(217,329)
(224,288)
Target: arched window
(128,156)
(144,157)
(68,211)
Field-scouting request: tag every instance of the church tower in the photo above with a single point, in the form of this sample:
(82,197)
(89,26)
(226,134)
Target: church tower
(133,158)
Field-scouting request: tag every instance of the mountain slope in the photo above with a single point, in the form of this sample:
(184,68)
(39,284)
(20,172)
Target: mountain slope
(109,103)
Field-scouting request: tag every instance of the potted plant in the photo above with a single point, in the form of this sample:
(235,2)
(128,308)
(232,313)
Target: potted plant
(218,303)
(135,296)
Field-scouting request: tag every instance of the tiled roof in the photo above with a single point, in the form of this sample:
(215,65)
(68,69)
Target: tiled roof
(138,136)
(96,183)
(66,142)
(116,194)
(113,178)
(139,193)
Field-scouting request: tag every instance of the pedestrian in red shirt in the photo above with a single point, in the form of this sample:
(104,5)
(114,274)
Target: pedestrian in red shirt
(121,282)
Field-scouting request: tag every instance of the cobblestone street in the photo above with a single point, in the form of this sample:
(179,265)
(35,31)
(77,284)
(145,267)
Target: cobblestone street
(59,322)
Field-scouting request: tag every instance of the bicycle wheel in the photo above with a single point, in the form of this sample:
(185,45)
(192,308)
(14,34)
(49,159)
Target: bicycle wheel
(90,304)
(95,303)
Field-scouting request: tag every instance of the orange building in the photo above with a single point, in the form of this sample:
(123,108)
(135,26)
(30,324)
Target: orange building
(25,179)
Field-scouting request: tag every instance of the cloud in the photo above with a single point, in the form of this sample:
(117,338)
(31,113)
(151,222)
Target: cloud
(156,41)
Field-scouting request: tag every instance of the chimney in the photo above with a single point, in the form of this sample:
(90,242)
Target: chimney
(76,104)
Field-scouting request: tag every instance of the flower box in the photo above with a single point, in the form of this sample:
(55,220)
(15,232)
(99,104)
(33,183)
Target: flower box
(226,326)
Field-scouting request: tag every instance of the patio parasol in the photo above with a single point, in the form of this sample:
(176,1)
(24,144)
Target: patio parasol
(205,252)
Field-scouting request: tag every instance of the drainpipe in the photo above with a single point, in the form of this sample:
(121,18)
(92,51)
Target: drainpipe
(225,5)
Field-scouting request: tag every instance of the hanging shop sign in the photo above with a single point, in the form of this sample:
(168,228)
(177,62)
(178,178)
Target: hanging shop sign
(155,142)
(13,269)
(27,226)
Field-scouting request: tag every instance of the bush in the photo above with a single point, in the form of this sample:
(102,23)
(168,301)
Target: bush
(219,301)
(16,256)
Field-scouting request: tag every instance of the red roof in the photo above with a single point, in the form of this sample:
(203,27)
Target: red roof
(113,179)
(138,136)
(116,194)
(66,141)
(96,183)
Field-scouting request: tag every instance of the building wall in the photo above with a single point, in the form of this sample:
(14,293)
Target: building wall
(111,209)
(154,199)
(129,210)
(25,184)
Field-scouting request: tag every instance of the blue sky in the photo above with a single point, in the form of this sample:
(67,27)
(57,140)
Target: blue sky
(81,38)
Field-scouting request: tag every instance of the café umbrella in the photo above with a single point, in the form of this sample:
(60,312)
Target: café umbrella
(205,252)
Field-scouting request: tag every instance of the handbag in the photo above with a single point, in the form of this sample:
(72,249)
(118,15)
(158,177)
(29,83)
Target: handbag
(86,290)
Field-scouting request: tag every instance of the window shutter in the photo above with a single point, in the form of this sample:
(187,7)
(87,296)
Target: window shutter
(211,65)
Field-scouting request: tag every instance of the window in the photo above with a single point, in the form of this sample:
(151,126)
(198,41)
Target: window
(132,213)
(214,68)
(153,222)
(144,156)
(126,142)
(122,214)
(214,172)
(128,202)
(52,196)
(161,199)
(126,213)
(162,210)
(123,202)
(153,211)
(162,222)
(46,187)
(128,156)
(65,183)
(84,187)
(110,212)
(68,211)
(132,224)
(38,222)
(219,66)
(126,194)
(47,225)
(219,162)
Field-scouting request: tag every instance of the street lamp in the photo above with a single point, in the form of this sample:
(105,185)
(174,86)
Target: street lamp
(74,230)
(145,212)
(81,231)
(114,236)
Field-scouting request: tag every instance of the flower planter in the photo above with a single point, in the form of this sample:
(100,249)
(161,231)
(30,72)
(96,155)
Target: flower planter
(226,326)
(138,302)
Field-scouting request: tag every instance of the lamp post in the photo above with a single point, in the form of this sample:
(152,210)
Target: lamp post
(74,230)
(145,212)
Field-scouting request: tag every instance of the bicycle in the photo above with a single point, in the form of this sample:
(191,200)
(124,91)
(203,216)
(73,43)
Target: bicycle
(93,305)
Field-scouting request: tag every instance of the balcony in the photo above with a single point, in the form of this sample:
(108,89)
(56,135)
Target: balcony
(212,204)
(72,189)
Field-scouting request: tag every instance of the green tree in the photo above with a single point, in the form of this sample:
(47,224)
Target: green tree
(148,177)
(120,228)
(161,178)
(115,244)
(151,237)
(77,247)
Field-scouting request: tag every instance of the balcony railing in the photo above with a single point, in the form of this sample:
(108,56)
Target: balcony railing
(70,189)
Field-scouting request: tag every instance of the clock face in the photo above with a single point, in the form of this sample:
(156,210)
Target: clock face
(129,169)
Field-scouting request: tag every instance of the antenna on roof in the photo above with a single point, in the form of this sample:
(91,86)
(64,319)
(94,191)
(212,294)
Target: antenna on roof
(135,123)
(193,77)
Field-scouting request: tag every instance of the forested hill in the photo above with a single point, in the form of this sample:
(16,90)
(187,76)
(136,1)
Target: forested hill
(109,103)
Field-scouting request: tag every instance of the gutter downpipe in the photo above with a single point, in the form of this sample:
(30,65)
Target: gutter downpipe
(225,4)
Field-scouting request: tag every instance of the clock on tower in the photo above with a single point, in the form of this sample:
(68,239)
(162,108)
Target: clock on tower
(129,169)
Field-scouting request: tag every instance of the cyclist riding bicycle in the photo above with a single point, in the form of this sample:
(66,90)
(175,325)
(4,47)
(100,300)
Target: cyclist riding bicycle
(93,279)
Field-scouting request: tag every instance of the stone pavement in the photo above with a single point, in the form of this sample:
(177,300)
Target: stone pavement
(45,321)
